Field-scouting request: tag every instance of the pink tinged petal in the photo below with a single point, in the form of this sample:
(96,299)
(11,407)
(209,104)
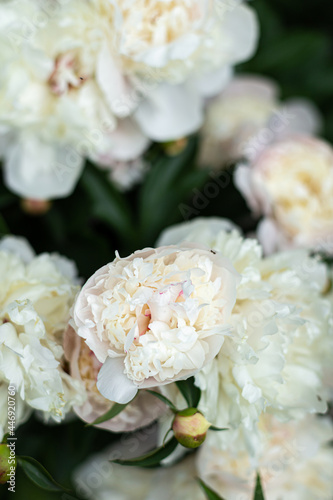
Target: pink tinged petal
(170,112)
(187,288)
(113,384)
(98,347)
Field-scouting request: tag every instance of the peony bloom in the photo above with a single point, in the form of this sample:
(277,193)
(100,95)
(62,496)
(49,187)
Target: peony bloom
(100,80)
(294,459)
(290,183)
(247,116)
(36,294)
(154,317)
(178,53)
(84,366)
(281,343)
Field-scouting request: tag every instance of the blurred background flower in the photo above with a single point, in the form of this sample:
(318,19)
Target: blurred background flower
(97,80)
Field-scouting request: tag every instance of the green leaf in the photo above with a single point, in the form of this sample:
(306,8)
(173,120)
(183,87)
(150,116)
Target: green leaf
(190,392)
(113,412)
(154,457)
(38,474)
(164,187)
(3,226)
(107,202)
(217,429)
(188,412)
(258,493)
(166,435)
(164,399)
(210,494)
(164,173)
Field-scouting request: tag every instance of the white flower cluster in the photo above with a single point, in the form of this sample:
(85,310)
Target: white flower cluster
(101,79)
(282,338)
(266,383)
(295,462)
(36,294)
(290,183)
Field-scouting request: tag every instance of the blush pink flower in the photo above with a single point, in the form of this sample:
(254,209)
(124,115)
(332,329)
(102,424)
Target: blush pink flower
(291,183)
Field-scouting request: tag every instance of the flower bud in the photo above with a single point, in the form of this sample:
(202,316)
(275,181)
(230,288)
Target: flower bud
(190,428)
(5,467)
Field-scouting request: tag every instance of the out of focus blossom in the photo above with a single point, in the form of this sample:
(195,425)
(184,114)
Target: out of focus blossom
(246,117)
(290,184)
(294,460)
(97,479)
(100,80)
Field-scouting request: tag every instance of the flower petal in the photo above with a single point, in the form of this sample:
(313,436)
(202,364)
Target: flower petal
(170,112)
(113,384)
(41,171)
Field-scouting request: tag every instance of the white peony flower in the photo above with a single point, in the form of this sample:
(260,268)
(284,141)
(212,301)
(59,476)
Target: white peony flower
(154,317)
(281,343)
(290,183)
(178,37)
(100,80)
(294,459)
(36,294)
(181,52)
(54,113)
